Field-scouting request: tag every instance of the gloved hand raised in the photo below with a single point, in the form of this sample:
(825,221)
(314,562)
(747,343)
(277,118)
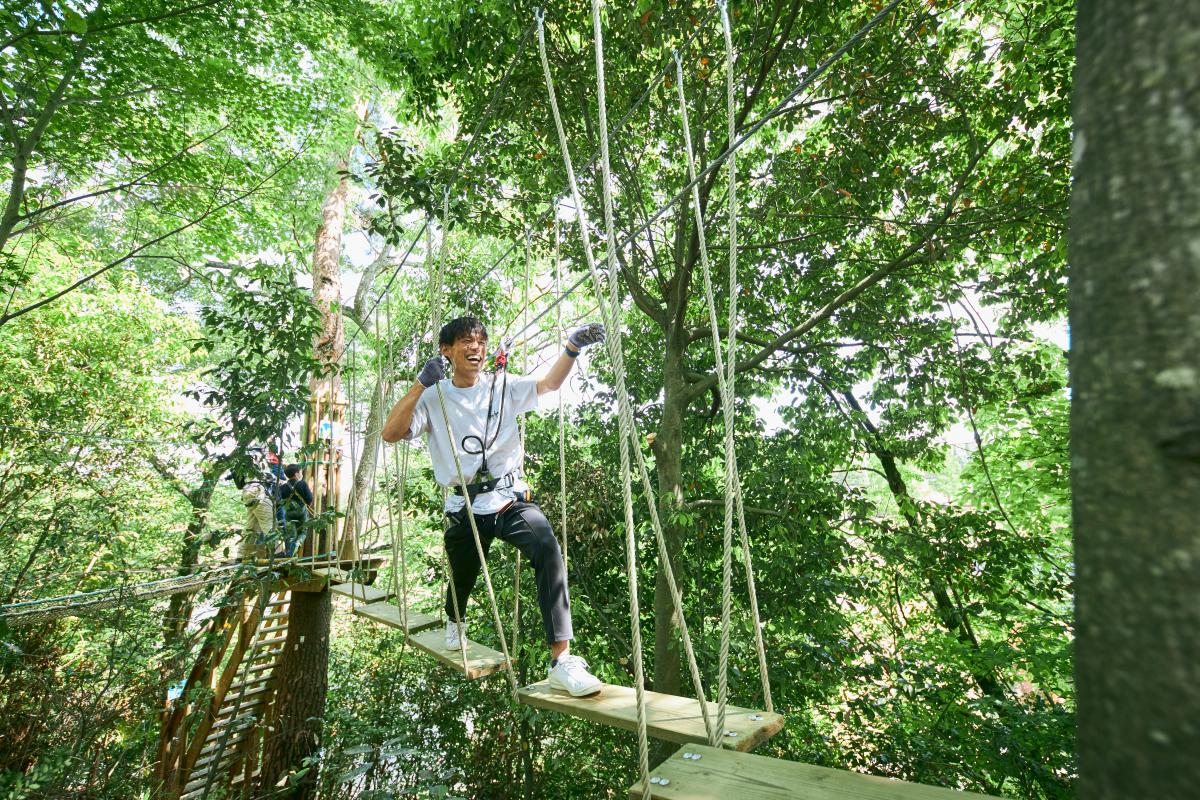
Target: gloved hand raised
(590,334)
(433,371)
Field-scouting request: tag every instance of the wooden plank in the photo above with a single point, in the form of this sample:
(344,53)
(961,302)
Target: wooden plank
(360,592)
(668,716)
(719,774)
(481,660)
(332,573)
(388,614)
(234,698)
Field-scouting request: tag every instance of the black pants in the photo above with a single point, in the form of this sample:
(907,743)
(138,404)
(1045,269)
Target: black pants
(524,526)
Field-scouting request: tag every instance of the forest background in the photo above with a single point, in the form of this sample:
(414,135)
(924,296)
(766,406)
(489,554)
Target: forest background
(901,415)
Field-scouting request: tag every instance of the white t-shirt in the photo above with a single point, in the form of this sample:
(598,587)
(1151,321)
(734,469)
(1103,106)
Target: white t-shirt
(466,409)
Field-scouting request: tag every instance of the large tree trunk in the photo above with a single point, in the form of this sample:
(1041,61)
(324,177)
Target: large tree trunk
(668,457)
(293,733)
(302,676)
(1135,412)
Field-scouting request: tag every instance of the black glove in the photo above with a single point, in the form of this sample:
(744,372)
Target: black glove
(590,334)
(433,371)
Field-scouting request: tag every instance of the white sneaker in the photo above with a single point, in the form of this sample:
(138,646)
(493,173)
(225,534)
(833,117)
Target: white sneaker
(455,633)
(571,675)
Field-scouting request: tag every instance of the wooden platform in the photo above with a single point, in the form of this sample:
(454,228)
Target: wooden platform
(388,614)
(668,716)
(360,592)
(481,660)
(722,774)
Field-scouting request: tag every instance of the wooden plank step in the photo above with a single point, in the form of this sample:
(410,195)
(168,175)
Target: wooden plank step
(231,699)
(213,750)
(334,574)
(250,683)
(388,614)
(481,660)
(668,716)
(258,644)
(244,711)
(197,784)
(259,667)
(346,571)
(218,733)
(360,592)
(719,774)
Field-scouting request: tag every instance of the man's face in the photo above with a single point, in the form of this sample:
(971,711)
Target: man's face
(467,354)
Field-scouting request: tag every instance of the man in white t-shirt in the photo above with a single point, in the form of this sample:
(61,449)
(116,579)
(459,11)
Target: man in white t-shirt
(483,419)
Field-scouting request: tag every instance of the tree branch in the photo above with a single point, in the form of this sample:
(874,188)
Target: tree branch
(112,26)
(770,512)
(910,255)
(109,190)
(25,147)
(8,317)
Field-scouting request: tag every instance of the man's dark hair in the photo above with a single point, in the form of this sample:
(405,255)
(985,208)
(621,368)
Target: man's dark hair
(291,470)
(459,328)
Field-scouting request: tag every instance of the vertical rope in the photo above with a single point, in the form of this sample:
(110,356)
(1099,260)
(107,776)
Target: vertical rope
(487,577)
(436,279)
(521,424)
(624,405)
(733,477)
(733,495)
(615,334)
(436,276)
(614,354)
(396,531)
(351,431)
(562,438)
(706,274)
(730,411)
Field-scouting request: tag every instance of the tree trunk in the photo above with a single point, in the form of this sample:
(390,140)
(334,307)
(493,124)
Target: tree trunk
(357,512)
(302,675)
(1135,412)
(293,731)
(668,457)
(179,610)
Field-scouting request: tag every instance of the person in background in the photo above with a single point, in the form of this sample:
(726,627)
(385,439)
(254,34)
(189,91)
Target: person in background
(296,505)
(260,518)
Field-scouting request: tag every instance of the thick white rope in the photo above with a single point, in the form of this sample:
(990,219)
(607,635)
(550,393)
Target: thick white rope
(728,401)
(400,471)
(625,406)
(562,436)
(625,412)
(521,429)
(726,398)
(733,493)
(436,279)
(615,343)
(487,577)
(733,477)
(635,616)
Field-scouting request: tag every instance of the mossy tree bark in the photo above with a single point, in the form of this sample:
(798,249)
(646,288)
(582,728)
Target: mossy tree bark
(1135,418)
(303,673)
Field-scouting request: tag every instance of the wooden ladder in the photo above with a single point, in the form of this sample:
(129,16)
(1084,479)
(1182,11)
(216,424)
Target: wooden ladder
(213,736)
